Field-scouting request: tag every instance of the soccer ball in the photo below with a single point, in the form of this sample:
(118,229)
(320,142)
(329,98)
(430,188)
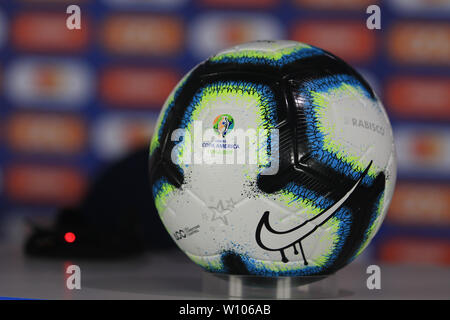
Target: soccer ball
(272,158)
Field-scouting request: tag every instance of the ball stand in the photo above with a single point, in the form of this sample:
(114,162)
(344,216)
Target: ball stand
(255,287)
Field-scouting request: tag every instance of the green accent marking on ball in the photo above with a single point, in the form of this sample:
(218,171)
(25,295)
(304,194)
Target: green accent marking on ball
(370,232)
(332,236)
(309,210)
(290,200)
(321,102)
(242,94)
(155,138)
(161,198)
(211,263)
(170,99)
(260,54)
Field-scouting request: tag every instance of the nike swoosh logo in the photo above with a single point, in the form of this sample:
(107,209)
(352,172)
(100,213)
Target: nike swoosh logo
(273,240)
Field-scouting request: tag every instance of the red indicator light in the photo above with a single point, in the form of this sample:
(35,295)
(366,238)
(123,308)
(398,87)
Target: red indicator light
(69,237)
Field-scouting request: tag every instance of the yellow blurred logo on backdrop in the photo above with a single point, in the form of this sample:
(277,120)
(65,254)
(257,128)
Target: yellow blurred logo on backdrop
(136,87)
(140,34)
(47,32)
(423,150)
(349,40)
(44,184)
(239,3)
(336,4)
(115,135)
(55,83)
(420,204)
(421,97)
(46,133)
(415,250)
(427,147)
(213,32)
(144,4)
(420,43)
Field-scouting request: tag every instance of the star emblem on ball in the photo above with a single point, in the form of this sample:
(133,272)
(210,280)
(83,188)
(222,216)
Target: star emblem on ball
(222,209)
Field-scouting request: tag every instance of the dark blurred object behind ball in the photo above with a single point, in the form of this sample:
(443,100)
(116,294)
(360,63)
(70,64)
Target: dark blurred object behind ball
(116,218)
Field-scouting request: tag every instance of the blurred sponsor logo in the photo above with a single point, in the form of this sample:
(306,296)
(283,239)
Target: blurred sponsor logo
(47,32)
(416,251)
(137,87)
(349,40)
(421,6)
(3,28)
(420,204)
(420,43)
(145,3)
(142,34)
(46,133)
(48,82)
(39,184)
(419,97)
(240,3)
(423,149)
(114,135)
(336,4)
(214,32)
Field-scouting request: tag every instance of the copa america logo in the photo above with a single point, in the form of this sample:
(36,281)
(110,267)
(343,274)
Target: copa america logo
(223,124)
(224,144)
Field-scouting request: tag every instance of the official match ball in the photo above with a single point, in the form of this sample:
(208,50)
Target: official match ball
(272,158)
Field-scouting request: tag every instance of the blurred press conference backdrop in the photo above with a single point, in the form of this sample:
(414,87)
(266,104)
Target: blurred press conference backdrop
(72,101)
